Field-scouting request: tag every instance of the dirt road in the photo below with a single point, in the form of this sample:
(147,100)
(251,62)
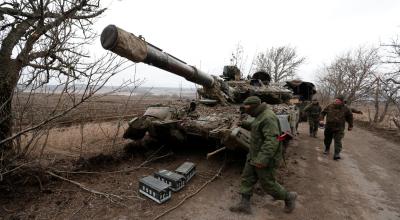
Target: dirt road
(365,184)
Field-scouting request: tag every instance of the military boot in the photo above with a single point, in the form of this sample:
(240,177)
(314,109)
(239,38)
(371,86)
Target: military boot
(326,151)
(243,206)
(336,156)
(290,202)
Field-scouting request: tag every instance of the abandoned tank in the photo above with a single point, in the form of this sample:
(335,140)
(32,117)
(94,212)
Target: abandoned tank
(215,116)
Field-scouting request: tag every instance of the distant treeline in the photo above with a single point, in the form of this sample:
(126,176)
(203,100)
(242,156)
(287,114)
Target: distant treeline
(165,91)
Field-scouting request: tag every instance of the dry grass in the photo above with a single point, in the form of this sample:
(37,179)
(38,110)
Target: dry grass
(368,110)
(79,140)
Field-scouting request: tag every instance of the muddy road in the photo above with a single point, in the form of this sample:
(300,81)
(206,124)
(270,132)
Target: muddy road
(365,184)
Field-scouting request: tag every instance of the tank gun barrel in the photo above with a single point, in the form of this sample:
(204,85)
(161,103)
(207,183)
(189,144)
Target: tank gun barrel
(138,50)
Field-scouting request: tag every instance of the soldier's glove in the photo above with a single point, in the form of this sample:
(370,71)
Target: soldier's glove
(259,165)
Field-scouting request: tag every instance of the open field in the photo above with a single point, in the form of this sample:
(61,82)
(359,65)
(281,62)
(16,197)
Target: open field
(98,108)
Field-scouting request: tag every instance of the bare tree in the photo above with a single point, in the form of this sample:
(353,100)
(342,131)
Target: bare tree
(237,55)
(43,41)
(238,58)
(281,62)
(391,80)
(351,74)
(384,92)
(325,87)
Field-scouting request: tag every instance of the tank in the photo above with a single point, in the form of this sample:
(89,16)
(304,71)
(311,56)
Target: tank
(215,116)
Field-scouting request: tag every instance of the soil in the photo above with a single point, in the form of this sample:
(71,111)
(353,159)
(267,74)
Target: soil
(363,185)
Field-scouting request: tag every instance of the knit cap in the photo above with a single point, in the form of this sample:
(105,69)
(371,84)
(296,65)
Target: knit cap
(252,100)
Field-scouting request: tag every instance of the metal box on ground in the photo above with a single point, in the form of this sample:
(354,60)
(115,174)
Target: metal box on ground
(187,169)
(155,189)
(174,180)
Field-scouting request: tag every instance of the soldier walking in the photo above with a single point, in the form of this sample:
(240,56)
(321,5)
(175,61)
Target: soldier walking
(263,158)
(336,114)
(313,111)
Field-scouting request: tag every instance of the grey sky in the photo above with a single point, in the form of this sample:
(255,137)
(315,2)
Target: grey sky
(204,33)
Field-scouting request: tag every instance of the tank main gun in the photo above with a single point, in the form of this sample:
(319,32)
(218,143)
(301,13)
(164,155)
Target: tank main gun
(138,50)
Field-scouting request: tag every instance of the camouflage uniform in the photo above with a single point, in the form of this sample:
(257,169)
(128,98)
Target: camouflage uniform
(336,116)
(265,149)
(313,111)
(265,153)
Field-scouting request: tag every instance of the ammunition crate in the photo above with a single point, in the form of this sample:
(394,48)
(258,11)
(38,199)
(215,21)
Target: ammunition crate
(154,189)
(187,169)
(174,180)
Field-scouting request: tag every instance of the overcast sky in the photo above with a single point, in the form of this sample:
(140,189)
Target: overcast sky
(204,33)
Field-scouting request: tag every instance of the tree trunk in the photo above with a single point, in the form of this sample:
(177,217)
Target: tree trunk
(385,109)
(5,115)
(376,102)
(8,81)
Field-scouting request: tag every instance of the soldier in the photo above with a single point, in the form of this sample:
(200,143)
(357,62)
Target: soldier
(313,111)
(336,115)
(263,158)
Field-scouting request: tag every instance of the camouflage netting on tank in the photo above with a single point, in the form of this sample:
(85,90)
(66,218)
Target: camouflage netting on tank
(214,93)
(201,126)
(283,108)
(221,117)
(271,94)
